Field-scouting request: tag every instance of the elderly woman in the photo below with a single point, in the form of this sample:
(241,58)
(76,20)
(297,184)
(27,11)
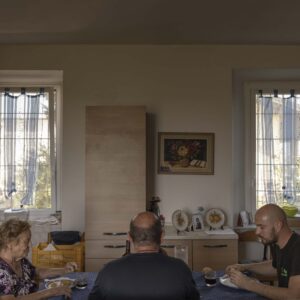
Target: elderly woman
(17,275)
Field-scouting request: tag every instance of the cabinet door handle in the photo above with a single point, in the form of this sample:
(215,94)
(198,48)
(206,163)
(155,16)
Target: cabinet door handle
(215,246)
(114,233)
(168,246)
(114,246)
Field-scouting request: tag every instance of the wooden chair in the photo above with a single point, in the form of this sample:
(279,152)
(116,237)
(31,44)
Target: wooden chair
(250,236)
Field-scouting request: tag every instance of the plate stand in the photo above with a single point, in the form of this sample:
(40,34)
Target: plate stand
(211,228)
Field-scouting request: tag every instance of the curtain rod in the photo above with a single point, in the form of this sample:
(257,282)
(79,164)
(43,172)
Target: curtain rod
(275,92)
(23,91)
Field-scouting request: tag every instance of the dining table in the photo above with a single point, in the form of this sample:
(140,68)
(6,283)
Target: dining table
(217,292)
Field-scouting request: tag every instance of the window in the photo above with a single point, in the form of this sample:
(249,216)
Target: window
(29,141)
(274,148)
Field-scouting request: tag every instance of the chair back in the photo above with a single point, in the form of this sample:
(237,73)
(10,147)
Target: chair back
(250,236)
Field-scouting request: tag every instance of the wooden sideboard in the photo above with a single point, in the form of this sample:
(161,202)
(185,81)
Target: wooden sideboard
(204,250)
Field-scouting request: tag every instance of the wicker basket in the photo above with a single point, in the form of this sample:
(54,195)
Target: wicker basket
(59,257)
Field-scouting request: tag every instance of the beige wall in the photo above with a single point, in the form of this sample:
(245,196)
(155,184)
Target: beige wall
(184,88)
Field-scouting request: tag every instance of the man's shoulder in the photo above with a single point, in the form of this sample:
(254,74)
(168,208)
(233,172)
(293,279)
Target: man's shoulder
(293,243)
(121,261)
(160,258)
(297,234)
(173,260)
(116,262)
(296,237)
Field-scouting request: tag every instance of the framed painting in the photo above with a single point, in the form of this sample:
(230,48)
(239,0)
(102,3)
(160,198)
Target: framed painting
(185,153)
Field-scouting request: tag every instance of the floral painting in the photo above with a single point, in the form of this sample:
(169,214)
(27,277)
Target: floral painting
(185,153)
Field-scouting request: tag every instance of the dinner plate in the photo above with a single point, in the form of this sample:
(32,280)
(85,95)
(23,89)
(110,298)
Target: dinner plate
(180,220)
(215,218)
(225,280)
(60,281)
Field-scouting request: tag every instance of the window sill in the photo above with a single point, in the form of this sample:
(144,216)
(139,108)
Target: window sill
(35,215)
(292,222)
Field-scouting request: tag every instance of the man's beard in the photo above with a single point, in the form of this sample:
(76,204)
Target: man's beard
(271,241)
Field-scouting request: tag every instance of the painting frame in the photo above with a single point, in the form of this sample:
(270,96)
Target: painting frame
(198,222)
(186,153)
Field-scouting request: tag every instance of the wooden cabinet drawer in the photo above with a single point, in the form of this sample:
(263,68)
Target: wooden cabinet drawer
(109,248)
(96,264)
(216,254)
(169,247)
(107,233)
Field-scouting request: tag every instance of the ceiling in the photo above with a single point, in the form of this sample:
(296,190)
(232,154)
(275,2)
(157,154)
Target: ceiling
(263,22)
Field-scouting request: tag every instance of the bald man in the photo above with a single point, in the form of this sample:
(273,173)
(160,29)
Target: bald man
(146,274)
(272,229)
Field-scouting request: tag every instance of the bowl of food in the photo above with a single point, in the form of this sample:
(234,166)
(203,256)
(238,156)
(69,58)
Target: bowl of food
(61,281)
(290,210)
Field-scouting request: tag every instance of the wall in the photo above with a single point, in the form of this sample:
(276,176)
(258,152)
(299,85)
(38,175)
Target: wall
(185,88)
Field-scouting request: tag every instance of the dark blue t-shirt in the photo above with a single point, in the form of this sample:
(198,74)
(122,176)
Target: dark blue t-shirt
(287,260)
(147,276)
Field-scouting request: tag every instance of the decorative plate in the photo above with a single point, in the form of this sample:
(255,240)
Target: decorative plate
(225,280)
(60,281)
(215,218)
(180,220)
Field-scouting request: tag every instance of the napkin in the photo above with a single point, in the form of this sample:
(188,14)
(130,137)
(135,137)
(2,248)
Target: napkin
(50,247)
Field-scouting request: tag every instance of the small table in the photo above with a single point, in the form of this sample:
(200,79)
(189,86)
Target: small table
(217,292)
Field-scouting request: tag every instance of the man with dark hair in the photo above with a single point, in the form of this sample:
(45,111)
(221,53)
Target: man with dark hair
(272,228)
(145,274)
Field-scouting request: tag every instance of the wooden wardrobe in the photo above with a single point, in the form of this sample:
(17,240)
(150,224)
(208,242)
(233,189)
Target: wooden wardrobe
(115,179)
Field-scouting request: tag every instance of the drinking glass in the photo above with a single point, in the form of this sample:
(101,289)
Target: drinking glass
(181,252)
(210,278)
(81,281)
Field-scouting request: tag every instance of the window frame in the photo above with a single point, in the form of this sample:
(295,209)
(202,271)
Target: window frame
(250,91)
(47,79)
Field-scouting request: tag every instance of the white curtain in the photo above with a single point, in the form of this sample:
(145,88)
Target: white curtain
(28,105)
(276,142)
(9,124)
